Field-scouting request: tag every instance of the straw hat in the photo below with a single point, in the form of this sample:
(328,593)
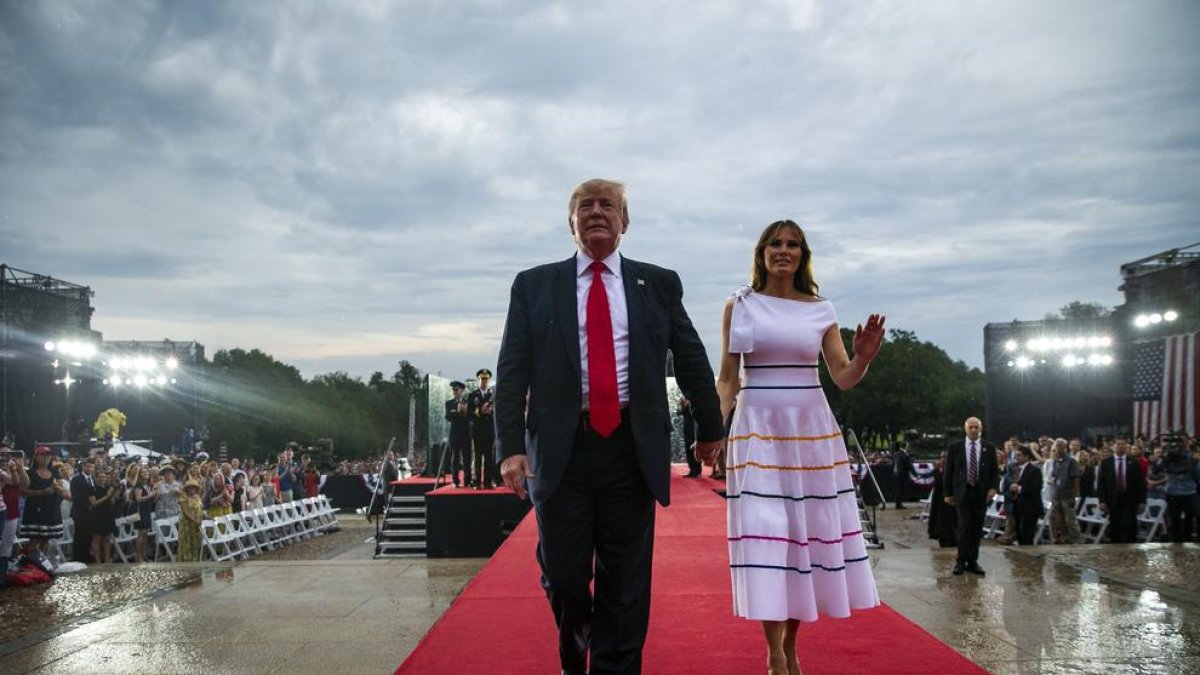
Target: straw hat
(192,484)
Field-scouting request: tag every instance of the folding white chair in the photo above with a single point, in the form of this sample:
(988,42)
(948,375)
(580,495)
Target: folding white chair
(925,506)
(258,528)
(1045,531)
(281,529)
(1152,520)
(166,537)
(243,533)
(1092,523)
(292,519)
(993,518)
(60,549)
(123,541)
(216,540)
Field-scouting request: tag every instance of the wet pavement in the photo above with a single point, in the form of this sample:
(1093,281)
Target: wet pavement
(1050,609)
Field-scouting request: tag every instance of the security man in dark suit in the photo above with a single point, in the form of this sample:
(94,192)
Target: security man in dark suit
(1026,491)
(460,435)
(483,431)
(81,510)
(1122,493)
(584,425)
(972,475)
(688,421)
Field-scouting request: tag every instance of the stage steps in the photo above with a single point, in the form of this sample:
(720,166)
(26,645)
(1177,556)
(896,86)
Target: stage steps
(403,531)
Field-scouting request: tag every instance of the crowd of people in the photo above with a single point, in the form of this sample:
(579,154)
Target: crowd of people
(40,495)
(1051,477)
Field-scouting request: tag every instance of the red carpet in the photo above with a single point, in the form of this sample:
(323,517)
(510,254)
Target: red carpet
(501,622)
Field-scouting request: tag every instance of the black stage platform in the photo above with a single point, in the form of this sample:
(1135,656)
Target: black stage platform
(465,523)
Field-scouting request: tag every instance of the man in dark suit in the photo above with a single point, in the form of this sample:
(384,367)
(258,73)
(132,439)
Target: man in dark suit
(460,435)
(1026,494)
(81,511)
(586,340)
(483,431)
(1122,493)
(902,468)
(972,476)
(688,421)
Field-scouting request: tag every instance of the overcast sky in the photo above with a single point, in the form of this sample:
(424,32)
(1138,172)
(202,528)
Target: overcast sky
(344,185)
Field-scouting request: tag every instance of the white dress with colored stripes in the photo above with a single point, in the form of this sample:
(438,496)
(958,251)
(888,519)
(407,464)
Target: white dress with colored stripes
(795,540)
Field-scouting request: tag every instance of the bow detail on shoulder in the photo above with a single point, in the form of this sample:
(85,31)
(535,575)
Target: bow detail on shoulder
(741,328)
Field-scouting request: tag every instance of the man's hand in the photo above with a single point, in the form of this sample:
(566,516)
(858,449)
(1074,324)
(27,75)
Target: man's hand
(707,451)
(515,470)
(949,501)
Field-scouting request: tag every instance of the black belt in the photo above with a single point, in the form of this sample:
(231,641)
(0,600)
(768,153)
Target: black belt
(585,418)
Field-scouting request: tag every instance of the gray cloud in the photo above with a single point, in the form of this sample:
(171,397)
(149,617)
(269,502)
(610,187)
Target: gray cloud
(346,187)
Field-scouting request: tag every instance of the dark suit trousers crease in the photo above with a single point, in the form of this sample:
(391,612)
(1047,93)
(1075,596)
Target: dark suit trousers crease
(485,458)
(970,522)
(460,459)
(601,514)
(1122,519)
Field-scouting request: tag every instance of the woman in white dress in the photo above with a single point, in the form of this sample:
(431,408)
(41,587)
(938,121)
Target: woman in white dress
(795,540)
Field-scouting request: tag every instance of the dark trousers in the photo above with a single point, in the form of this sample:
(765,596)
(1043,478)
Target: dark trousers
(694,465)
(970,523)
(485,459)
(1122,520)
(460,459)
(81,548)
(1180,516)
(601,518)
(1026,529)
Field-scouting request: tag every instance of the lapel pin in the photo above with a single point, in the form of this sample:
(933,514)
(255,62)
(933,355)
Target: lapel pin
(641,282)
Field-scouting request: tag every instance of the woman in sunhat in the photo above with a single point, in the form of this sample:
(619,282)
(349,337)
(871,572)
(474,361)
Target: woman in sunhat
(191,515)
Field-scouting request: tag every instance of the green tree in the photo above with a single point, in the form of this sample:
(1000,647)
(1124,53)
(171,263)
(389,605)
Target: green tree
(1075,310)
(911,384)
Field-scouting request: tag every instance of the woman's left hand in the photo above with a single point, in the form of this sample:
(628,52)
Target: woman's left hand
(868,340)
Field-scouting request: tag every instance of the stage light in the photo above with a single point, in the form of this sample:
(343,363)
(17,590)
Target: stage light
(160,380)
(105,380)
(1170,315)
(49,346)
(172,363)
(1106,360)
(87,350)
(1141,321)
(1156,318)
(1069,360)
(1080,342)
(1037,344)
(1010,346)
(173,380)
(1094,360)
(1011,364)
(1023,362)
(1105,341)
(140,380)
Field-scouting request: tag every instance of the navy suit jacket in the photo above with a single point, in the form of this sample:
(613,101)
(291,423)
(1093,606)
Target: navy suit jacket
(540,358)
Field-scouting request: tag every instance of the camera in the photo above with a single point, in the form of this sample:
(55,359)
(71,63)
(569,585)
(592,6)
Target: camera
(1173,444)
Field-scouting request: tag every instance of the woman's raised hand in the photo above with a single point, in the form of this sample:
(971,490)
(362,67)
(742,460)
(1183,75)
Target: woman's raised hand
(868,339)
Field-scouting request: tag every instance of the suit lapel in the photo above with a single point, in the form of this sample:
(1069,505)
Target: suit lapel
(568,312)
(635,307)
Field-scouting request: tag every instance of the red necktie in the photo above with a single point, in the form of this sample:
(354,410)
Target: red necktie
(1121,474)
(605,409)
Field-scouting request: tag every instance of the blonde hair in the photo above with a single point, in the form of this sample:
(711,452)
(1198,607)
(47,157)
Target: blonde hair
(596,186)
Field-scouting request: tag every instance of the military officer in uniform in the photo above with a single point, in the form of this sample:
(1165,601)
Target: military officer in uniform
(460,435)
(483,433)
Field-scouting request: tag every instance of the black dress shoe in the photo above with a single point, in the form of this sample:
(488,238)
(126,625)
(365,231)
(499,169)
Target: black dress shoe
(959,568)
(974,568)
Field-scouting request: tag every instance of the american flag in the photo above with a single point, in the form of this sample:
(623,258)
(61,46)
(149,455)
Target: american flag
(1164,385)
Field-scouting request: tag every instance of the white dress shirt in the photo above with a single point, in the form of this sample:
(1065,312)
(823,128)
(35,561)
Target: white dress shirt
(617,309)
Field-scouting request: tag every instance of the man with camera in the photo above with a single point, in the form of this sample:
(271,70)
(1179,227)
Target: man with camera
(1182,473)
